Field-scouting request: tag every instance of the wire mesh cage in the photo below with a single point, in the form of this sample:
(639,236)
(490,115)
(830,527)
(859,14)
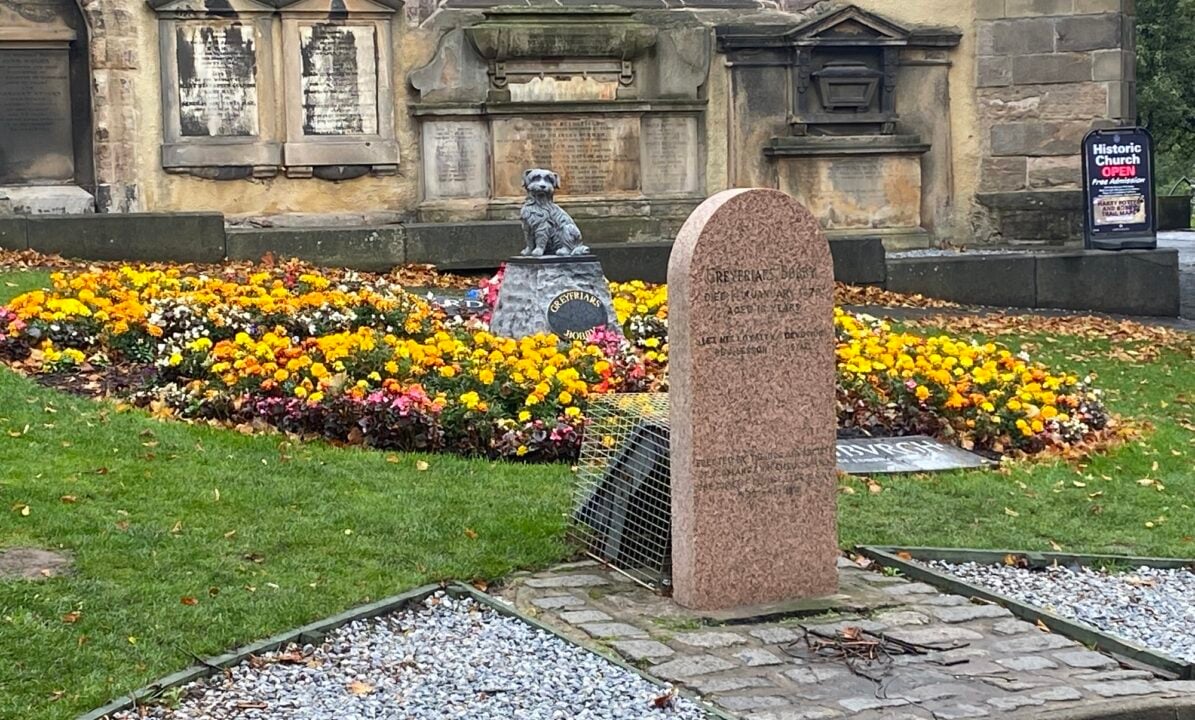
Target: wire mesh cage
(622,511)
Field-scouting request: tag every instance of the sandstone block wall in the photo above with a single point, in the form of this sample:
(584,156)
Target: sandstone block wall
(1047,72)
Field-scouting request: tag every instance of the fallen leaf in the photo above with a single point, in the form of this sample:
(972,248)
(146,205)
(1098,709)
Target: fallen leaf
(177,527)
(357,687)
(188,600)
(481,585)
(68,499)
(905,555)
(71,617)
(471,533)
(392,458)
(1078,484)
(122,524)
(21,509)
(421,465)
(667,700)
(1011,513)
(1055,546)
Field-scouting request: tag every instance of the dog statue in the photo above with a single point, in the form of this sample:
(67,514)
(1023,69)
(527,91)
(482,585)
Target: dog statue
(549,229)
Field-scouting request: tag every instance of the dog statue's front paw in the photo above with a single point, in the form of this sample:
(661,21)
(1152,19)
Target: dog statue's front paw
(537,251)
(580,250)
(563,251)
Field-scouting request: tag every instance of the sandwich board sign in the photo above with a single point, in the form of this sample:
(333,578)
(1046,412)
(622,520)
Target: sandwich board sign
(1118,189)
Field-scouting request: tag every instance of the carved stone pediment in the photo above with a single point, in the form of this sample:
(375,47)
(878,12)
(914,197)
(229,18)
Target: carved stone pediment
(849,26)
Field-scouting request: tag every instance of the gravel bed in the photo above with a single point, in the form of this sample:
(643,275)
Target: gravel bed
(446,658)
(1153,607)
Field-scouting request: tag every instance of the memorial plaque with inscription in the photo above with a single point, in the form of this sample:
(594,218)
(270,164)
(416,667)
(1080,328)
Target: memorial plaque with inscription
(670,155)
(217,79)
(35,116)
(593,155)
(752,404)
(339,79)
(455,162)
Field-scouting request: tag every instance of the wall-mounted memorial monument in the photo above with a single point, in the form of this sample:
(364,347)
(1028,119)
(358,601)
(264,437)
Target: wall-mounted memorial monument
(219,106)
(45,120)
(339,104)
(853,139)
(612,102)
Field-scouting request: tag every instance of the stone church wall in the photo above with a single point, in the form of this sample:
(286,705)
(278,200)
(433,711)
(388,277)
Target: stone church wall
(245,107)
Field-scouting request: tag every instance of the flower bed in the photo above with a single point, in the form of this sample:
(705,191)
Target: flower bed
(356,359)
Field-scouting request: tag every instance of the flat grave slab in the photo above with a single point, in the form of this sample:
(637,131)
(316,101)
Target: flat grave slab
(914,453)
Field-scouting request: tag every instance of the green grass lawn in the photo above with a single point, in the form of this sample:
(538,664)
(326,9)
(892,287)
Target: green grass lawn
(266,535)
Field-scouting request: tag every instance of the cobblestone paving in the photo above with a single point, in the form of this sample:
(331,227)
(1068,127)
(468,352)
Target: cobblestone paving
(987,664)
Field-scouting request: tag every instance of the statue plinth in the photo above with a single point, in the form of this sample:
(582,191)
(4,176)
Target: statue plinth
(564,295)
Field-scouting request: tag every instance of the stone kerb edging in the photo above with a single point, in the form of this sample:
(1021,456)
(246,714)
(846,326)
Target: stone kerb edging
(1117,647)
(314,633)
(1140,709)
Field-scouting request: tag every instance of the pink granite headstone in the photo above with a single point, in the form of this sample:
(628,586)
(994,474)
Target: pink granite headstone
(751,390)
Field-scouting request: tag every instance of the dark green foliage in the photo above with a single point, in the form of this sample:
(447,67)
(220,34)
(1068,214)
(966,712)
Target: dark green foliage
(1166,84)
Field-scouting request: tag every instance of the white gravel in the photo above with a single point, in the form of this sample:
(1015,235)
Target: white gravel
(1152,607)
(447,658)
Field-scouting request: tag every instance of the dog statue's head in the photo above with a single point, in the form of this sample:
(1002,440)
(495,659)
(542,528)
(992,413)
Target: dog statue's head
(541,183)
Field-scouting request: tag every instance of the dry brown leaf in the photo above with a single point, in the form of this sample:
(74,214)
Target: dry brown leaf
(471,533)
(188,600)
(358,687)
(72,617)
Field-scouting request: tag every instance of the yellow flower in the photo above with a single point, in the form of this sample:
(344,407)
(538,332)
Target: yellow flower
(524,415)
(922,393)
(521,451)
(447,371)
(176,359)
(572,412)
(565,397)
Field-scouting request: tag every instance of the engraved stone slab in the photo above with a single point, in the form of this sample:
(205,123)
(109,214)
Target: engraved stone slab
(916,453)
(670,155)
(882,191)
(217,79)
(455,159)
(593,155)
(339,79)
(35,116)
(753,508)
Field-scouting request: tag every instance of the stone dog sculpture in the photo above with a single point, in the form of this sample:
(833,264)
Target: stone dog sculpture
(549,229)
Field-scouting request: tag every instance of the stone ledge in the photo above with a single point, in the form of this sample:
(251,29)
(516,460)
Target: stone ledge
(147,237)
(1147,280)
(13,233)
